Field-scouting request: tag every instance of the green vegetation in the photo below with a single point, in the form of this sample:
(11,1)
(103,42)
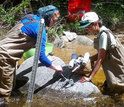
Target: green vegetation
(112,14)
(12,14)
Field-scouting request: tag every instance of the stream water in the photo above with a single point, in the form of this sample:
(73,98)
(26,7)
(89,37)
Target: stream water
(19,100)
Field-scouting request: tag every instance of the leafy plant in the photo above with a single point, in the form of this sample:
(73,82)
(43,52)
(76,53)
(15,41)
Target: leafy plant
(110,15)
(9,16)
(110,11)
(55,31)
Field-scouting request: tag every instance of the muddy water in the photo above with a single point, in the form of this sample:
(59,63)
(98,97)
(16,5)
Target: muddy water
(100,100)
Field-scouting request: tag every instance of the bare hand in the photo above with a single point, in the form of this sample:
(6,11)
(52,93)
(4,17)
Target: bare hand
(84,79)
(56,68)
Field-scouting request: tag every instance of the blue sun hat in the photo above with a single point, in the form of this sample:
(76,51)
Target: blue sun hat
(47,13)
(88,18)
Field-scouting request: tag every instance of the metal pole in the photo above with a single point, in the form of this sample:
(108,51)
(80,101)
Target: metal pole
(35,63)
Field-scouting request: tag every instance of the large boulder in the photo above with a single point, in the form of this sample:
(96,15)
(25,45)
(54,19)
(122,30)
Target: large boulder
(60,42)
(51,83)
(83,40)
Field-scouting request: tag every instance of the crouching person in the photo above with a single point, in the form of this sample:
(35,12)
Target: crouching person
(20,39)
(110,53)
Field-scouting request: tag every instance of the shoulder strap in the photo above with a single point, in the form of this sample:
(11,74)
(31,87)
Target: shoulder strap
(108,35)
(29,17)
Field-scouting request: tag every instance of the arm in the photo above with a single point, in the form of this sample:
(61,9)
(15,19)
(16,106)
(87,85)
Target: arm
(101,56)
(93,59)
(43,58)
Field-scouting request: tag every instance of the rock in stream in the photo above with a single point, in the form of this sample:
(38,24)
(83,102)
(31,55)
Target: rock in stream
(51,83)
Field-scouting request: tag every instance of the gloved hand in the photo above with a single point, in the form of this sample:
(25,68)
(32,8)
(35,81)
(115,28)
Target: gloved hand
(56,68)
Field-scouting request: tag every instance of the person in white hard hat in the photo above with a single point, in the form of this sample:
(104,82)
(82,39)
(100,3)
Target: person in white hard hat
(106,44)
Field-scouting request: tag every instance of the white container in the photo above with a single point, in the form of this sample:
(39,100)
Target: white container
(86,58)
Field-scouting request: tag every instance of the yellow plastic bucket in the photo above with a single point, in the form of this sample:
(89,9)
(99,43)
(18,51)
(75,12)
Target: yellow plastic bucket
(31,52)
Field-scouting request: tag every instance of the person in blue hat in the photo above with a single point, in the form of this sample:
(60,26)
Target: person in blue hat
(110,53)
(20,39)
